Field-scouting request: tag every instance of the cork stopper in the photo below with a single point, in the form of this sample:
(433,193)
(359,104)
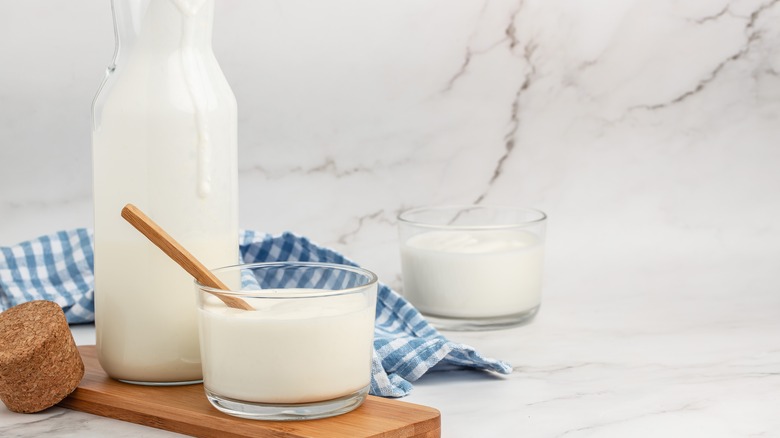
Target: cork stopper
(39,362)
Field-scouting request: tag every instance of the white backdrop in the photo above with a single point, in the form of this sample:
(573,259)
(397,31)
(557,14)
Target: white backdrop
(647,129)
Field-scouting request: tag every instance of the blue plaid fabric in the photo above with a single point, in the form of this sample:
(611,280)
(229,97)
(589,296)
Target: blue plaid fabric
(58,267)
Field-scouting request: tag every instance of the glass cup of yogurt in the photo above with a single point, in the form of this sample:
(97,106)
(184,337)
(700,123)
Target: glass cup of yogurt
(305,350)
(473,267)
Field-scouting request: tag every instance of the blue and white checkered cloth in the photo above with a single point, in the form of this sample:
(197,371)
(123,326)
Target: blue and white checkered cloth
(58,267)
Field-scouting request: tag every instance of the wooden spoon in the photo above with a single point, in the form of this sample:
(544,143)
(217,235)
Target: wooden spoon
(175,251)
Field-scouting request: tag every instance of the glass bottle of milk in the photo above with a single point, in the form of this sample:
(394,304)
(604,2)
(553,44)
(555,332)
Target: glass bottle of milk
(164,139)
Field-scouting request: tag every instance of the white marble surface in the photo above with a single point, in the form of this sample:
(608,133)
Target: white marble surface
(647,129)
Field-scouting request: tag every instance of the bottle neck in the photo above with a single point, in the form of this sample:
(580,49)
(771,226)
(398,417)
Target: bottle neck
(162,26)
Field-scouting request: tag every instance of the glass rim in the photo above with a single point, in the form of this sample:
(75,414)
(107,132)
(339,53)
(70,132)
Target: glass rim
(278,293)
(403,217)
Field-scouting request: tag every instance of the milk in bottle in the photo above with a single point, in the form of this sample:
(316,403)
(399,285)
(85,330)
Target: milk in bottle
(164,139)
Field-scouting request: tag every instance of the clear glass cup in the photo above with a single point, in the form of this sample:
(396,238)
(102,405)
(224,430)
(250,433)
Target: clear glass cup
(305,350)
(473,267)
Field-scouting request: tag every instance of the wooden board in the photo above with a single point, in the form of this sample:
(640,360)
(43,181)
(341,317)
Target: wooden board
(185,409)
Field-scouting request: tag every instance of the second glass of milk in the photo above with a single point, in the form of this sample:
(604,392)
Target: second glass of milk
(473,267)
(305,349)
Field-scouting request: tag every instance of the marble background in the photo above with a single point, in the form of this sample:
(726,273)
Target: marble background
(648,130)
(641,127)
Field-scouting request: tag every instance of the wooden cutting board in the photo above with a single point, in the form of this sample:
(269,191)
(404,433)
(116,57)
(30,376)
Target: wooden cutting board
(185,409)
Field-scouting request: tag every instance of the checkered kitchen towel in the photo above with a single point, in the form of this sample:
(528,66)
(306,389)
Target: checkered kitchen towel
(58,267)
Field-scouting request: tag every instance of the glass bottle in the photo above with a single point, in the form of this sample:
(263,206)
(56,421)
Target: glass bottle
(164,139)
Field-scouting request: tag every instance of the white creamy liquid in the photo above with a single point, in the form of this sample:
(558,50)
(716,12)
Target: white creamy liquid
(148,323)
(288,351)
(164,140)
(473,274)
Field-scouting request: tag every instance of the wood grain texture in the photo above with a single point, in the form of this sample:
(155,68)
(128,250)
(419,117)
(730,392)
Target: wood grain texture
(185,409)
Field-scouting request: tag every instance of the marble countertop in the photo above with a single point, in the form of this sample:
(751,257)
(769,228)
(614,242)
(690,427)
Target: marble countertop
(647,130)
(620,348)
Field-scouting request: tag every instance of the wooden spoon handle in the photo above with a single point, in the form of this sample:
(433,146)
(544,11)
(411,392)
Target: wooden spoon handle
(179,254)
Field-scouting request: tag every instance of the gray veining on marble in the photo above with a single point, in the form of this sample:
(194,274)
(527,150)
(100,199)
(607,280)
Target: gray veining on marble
(647,130)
